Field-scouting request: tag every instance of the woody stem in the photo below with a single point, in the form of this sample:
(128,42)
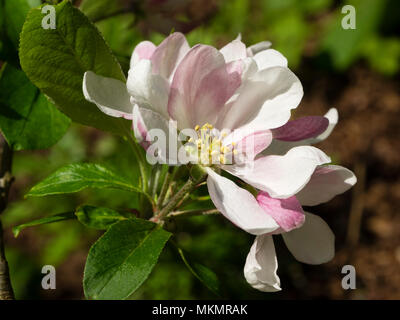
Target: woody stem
(6,290)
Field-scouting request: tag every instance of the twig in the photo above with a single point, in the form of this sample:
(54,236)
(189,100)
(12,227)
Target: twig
(6,291)
(170,192)
(141,161)
(155,175)
(164,189)
(189,213)
(189,186)
(357,206)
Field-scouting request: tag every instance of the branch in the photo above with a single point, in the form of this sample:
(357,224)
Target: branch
(188,213)
(357,206)
(164,189)
(6,291)
(188,187)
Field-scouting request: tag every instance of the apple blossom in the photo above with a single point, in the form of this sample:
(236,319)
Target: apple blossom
(306,235)
(234,106)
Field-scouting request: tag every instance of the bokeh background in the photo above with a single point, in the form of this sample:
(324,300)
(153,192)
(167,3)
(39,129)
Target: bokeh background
(356,71)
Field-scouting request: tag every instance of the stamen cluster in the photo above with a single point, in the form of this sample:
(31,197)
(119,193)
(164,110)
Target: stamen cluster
(208,148)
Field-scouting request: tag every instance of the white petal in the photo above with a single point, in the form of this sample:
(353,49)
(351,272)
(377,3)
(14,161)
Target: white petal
(249,68)
(313,243)
(235,50)
(261,265)
(264,100)
(281,176)
(270,58)
(145,120)
(151,127)
(110,95)
(325,183)
(238,205)
(147,89)
(258,47)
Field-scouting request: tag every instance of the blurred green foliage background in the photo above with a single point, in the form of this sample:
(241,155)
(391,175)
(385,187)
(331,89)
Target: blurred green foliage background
(307,32)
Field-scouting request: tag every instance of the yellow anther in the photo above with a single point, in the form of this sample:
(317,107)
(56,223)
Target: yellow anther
(235,152)
(208,146)
(234,143)
(224,149)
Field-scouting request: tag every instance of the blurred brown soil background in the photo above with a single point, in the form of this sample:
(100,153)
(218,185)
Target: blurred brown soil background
(365,220)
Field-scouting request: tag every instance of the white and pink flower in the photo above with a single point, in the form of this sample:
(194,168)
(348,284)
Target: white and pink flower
(248,92)
(306,235)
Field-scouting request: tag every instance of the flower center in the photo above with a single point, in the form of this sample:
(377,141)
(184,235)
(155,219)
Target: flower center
(208,148)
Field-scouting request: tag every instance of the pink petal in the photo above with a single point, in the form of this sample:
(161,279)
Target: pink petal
(302,128)
(238,205)
(249,144)
(201,86)
(169,54)
(288,213)
(141,133)
(144,50)
(235,68)
(333,116)
(279,147)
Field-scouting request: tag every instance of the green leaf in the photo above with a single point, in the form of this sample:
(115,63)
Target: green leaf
(55,60)
(76,177)
(15,12)
(27,119)
(204,274)
(98,218)
(56,218)
(122,259)
(12,17)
